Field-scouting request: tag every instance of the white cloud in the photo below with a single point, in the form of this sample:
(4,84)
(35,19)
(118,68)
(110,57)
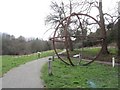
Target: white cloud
(23,17)
(26,17)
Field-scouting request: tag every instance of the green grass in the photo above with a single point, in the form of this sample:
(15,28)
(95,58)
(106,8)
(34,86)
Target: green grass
(92,51)
(113,50)
(9,62)
(0,65)
(103,76)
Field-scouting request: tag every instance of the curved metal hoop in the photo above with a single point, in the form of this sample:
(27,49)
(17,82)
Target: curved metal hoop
(66,20)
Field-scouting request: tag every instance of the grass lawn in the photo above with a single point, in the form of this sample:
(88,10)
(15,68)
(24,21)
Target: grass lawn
(92,76)
(90,53)
(9,62)
(0,65)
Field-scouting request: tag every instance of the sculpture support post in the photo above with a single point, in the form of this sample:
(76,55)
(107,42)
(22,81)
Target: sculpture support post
(53,57)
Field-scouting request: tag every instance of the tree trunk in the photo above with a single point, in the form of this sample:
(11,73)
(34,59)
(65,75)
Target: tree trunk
(118,41)
(70,44)
(103,31)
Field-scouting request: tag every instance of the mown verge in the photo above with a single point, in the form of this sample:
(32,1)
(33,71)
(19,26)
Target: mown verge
(95,75)
(92,76)
(9,61)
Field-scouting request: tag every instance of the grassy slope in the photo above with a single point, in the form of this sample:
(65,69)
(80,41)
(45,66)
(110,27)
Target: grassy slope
(90,53)
(9,62)
(0,65)
(80,76)
(94,51)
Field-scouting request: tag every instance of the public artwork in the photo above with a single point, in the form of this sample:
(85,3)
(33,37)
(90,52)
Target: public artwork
(63,35)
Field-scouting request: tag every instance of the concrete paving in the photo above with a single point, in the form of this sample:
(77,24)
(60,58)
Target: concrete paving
(0,83)
(25,76)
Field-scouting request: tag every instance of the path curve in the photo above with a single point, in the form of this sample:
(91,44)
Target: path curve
(25,76)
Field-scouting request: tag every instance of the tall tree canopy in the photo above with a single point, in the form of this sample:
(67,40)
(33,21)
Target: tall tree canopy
(62,10)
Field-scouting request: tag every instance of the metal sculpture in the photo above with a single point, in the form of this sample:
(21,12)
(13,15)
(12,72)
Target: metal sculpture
(64,38)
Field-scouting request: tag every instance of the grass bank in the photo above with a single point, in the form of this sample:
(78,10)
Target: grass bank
(0,66)
(9,61)
(90,53)
(93,76)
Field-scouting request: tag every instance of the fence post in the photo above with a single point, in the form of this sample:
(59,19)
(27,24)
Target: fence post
(113,61)
(50,66)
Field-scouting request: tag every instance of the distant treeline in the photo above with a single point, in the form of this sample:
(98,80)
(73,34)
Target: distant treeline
(9,45)
(21,45)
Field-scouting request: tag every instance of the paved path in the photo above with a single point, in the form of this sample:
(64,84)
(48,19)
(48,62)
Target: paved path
(0,83)
(25,76)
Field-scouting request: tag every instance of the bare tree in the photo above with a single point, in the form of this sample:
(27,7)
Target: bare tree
(83,6)
(59,13)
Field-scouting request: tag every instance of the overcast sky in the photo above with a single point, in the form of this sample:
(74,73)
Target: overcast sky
(26,17)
